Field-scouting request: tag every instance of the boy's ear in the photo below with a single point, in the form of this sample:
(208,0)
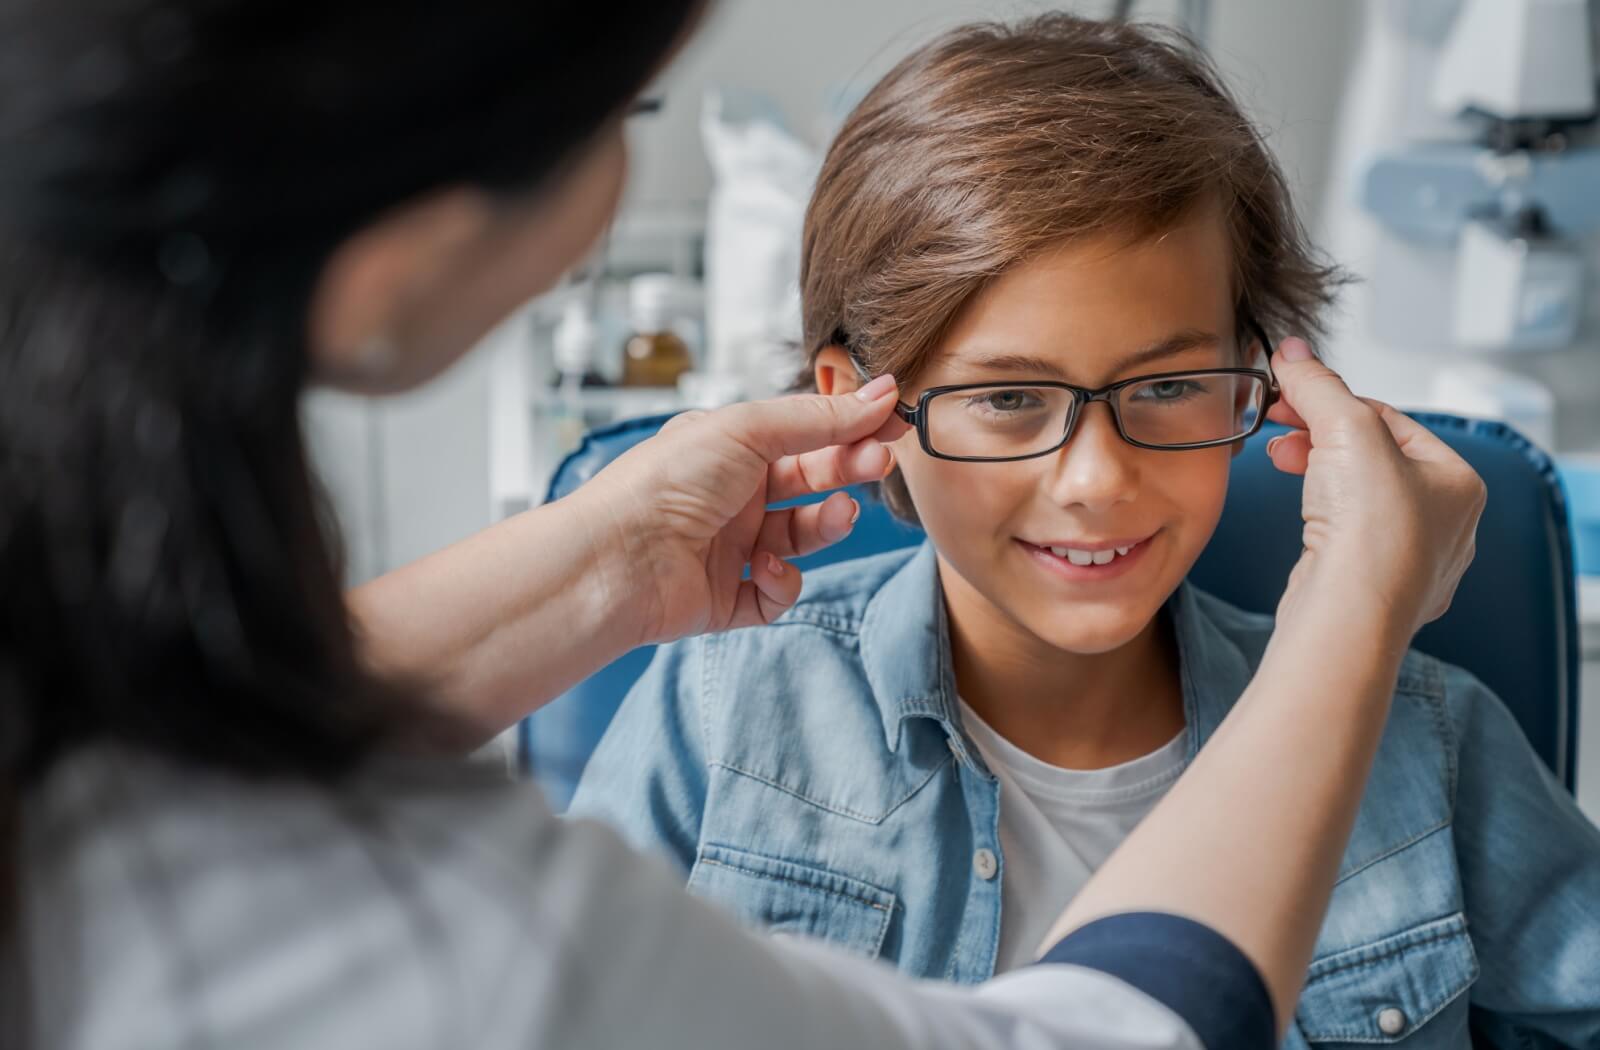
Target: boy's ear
(835,371)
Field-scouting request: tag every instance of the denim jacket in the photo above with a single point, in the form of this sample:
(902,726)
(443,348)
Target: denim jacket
(813,776)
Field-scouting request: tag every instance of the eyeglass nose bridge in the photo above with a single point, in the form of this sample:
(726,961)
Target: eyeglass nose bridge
(1081,400)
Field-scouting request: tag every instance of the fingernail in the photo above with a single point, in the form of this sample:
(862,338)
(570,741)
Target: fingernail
(889,467)
(876,389)
(1272,442)
(775,566)
(855,511)
(1295,350)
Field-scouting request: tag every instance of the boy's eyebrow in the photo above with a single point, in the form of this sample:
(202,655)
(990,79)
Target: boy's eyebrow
(1171,346)
(1030,364)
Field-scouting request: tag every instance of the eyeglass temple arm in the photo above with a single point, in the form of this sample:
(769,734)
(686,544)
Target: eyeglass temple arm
(1266,347)
(908,413)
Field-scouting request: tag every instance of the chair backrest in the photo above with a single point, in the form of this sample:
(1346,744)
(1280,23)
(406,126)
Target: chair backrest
(1513,624)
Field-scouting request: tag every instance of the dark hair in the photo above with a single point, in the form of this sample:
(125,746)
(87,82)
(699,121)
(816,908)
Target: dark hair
(993,143)
(173,175)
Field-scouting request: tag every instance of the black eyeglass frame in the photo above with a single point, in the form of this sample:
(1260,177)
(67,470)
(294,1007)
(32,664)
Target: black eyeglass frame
(917,415)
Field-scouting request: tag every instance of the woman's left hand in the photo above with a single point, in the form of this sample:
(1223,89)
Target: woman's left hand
(688,509)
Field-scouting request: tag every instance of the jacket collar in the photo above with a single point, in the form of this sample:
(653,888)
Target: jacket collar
(905,648)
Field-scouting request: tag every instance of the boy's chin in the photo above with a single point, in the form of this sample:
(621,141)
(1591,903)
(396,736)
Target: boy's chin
(1106,630)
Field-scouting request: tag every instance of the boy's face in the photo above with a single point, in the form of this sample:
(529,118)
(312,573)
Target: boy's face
(1082,312)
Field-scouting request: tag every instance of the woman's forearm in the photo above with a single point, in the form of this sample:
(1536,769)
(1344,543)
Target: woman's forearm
(505,620)
(1249,840)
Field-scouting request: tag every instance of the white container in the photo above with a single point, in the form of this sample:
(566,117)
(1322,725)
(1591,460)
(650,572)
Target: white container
(1515,291)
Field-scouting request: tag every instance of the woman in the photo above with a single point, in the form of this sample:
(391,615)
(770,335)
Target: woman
(208,204)
(1042,651)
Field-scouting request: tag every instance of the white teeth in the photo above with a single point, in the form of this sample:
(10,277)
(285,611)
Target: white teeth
(1085,557)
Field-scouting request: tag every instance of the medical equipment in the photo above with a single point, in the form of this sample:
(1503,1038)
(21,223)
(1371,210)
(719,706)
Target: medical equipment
(1518,198)
(1519,60)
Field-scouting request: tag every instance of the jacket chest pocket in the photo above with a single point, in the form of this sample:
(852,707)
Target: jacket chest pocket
(793,898)
(1384,993)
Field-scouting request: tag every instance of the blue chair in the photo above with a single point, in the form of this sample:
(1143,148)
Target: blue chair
(1513,624)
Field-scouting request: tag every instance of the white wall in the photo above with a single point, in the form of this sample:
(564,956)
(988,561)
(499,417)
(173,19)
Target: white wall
(406,475)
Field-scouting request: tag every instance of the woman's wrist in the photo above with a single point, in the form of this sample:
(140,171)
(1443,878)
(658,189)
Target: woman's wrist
(615,584)
(1350,593)
(1344,610)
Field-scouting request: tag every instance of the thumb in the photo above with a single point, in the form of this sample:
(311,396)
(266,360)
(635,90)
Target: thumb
(790,426)
(1313,390)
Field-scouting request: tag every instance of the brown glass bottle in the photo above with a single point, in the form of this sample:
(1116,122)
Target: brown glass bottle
(654,359)
(654,355)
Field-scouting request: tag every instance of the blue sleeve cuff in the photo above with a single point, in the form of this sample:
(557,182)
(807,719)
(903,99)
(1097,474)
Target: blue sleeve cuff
(1188,967)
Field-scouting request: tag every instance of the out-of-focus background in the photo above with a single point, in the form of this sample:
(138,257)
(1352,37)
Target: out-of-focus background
(1442,150)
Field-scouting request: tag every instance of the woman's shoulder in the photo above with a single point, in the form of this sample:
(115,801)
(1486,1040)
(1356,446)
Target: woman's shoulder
(167,904)
(102,808)
(143,875)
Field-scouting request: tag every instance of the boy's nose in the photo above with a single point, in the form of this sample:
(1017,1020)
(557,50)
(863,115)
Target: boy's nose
(1096,469)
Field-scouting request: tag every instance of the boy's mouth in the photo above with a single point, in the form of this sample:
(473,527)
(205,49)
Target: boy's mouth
(1088,559)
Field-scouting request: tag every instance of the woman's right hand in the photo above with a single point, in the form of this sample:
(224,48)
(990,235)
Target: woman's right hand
(1390,510)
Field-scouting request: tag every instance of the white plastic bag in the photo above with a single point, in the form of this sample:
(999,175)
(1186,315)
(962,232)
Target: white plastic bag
(761,180)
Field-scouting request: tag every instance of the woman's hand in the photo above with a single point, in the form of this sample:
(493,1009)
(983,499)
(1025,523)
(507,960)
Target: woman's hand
(653,548)
(1390,510)
(685,513)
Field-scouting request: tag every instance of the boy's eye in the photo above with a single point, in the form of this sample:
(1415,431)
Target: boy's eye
(1168,390)
(1005,402)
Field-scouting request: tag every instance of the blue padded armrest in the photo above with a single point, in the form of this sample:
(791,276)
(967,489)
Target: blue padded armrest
(1513,624)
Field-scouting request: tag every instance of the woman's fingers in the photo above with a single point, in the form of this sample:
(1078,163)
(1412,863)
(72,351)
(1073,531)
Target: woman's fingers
(1415,440)
(682,419)
(1291,452)
(829,468)
(773,586)
(1283,412)
(789,426)
(796,531)
(893,430)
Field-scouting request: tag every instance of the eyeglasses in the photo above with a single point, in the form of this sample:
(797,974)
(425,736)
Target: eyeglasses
(1169,411)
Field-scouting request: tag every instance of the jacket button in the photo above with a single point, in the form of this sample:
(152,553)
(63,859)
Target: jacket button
(984,864)
(1391,1021)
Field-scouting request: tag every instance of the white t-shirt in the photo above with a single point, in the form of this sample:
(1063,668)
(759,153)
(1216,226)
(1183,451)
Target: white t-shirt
(1057,826)
(428,905)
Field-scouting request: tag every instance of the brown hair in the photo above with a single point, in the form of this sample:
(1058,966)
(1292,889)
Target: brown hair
(994,142)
